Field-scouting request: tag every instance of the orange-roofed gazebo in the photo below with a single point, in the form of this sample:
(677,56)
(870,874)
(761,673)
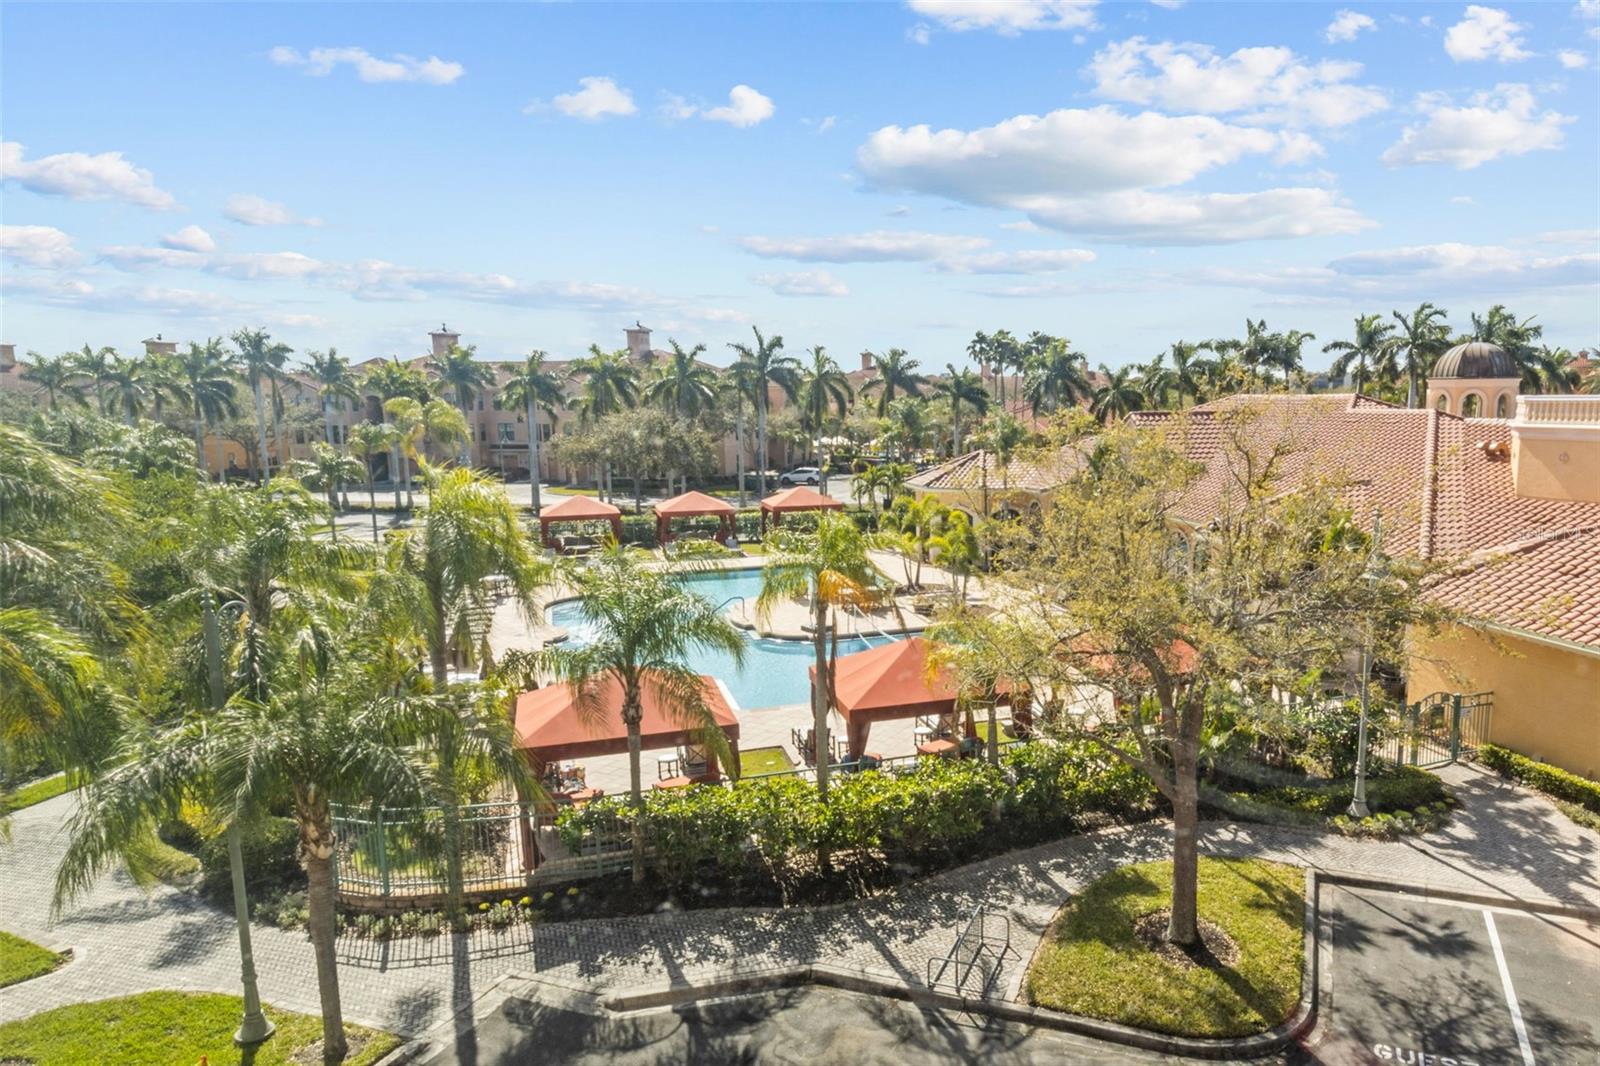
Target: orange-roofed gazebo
(578,509)
(799,498)
(551,726)
(887,682)
(693,505)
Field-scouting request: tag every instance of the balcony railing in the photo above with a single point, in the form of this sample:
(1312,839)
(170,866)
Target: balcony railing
(1559,410)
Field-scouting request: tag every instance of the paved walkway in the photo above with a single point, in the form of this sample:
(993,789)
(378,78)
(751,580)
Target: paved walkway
(1504,840)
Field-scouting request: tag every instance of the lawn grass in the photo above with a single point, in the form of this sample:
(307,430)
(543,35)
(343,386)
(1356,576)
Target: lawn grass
(21,959)
(1090,962)
(763,761)
(1006,736)
(166,1028)
(36,792)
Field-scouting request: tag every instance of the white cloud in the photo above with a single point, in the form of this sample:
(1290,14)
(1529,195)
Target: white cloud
(823,124)
(190,239)
(1170,5)
(40,246)
(80,176)
(1464,201)
(878,246)
(1031,261)
(320,62)
(1021,226)
(921,33)
(597,98)
(242,266)
(1092,172)
(745,108)
(1347,25)
(251,210)
(1263,85)
(1504,121)
(1573,60)
(1007,17)
(147,299)
(1485,33)
(1588,9)
(804,283)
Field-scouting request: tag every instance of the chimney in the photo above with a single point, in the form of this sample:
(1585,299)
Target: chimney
(866,360)
(157,346)
(638,341)
(443,339)
(8,356)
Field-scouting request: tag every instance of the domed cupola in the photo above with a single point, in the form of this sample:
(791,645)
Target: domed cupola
(1475,380)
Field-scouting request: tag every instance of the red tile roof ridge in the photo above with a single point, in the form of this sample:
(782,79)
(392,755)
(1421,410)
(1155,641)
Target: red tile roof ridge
(1430,486)
(1484,556)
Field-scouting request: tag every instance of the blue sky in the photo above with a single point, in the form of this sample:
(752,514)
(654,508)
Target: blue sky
(859,176)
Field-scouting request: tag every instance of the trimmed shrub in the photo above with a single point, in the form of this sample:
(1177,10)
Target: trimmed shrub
(1551,780)
(271,862)
(1400,788)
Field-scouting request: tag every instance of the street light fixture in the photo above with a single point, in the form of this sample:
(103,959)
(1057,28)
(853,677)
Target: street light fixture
(1373,574)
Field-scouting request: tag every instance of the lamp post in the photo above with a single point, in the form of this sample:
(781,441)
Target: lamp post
(1358,801)
(254,1026)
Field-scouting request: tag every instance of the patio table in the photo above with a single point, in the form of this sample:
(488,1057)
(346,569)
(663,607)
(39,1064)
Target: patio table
(941,747)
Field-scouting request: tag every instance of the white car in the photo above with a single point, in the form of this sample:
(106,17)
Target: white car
(800,475)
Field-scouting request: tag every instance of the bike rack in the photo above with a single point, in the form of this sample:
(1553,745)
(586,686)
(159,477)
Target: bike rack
(978,951)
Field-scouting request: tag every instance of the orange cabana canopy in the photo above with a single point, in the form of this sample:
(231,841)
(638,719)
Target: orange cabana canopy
(579,509)
(551,726)
(692,505)
(886,682)
(799,498)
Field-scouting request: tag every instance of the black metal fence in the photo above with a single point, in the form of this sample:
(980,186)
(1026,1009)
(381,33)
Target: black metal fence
(1435,730)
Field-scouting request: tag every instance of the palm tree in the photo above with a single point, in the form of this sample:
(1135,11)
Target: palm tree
(261,361)
(646,624)
(1253,352)
(367,440)
(207,382)
(961,388)
(770,369)
(823,387)
(610,384)
(460,373)
(55,377)
(1372,347)
(981,350)
(128,381)
(96,366)
(896,375)
(534,389)
(336,386)
(1285,352)
(392,380)
(425,424)
(741,387)
(1188,371)
(311,746)
(325,471)
(1424,335)
(1005,351)
(910,527)
(830,566)
(909,431)
(1118,397)
(683,384)
(1056,378)
(1556,370)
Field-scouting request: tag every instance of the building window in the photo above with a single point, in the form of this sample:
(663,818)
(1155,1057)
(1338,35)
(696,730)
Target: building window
(480,403)
(1443,403)
(1501,406)
(497,406)
(299,436)
(505,432)
(483,432)
(544,432)
(1472,406)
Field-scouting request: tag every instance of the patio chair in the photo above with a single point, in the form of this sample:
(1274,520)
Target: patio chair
(693,759)
(805,745)
(668,766)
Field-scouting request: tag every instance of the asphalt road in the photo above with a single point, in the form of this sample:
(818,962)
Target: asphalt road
(1430,983)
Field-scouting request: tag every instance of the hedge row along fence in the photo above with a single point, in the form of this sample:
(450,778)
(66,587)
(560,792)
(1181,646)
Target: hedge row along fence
(1551,780)
(929,813)
(640,529)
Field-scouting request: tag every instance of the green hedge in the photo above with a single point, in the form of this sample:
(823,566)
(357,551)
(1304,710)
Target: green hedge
(936,809)
(1401,788)
(1551,780)
(271,860)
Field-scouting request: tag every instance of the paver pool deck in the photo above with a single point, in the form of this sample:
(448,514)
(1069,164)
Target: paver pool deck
(1503,841)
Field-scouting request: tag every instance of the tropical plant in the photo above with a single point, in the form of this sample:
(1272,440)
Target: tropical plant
(533,388)
(1373,346)
(909,527)
(961,389)
(261,360)
(824,388)
(1424,335)
(325,471)
(909,431)
(646,625)
(1517,336)
(56,377)
(460,374)
(95,365)
(955,546)
(895,374)
(769,369)
(393,380)
(1118,397)
(1056,378)
(1188,371)
(421,425)
(129,385)
(830,566)
(683,384)
(207,382)
(369,439)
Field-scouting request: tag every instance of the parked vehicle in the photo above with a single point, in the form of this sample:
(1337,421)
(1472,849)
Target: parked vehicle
(800,475)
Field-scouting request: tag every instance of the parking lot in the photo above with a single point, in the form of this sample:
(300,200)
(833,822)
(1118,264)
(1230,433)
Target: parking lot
(1426,982)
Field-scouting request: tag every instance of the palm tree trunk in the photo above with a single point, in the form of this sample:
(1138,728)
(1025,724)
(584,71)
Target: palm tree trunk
(277,423)
(955,427)
(738,451)
(533,458)
(200,443)
(320,924)
(1411,386)
(761,443)
(466,444)
(635,788)
(821,749)
(372,500)
(261,431)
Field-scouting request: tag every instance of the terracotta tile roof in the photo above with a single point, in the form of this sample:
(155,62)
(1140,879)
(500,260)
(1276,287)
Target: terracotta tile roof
(967,472)
(1547,585)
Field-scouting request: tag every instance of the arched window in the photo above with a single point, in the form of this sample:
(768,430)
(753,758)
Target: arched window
(1471,405)
(1443,403)
(1502,406)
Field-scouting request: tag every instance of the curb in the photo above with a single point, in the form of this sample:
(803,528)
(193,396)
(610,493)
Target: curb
(1425,890)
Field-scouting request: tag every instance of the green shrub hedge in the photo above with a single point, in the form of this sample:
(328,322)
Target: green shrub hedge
(1400,788)
(1551,780)
(935,809)
(271,861)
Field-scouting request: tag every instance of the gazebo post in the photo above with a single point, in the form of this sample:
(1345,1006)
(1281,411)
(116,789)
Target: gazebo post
(616,528)
(858,730)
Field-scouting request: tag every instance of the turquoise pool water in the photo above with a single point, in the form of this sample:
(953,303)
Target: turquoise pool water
(774,671)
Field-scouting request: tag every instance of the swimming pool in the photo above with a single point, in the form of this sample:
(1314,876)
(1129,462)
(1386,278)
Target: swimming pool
(774,671)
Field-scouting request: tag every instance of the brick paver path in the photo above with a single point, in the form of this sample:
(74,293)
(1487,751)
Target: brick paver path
(1503,840)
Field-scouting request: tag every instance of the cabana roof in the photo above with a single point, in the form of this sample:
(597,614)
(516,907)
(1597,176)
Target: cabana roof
(693,503)
(891,681)
(579,509)
(800,498)
(550,726)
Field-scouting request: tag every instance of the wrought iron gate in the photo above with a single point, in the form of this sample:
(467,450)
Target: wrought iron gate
(1437,729)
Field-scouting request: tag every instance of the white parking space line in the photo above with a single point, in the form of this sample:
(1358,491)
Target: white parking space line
(1511,993)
